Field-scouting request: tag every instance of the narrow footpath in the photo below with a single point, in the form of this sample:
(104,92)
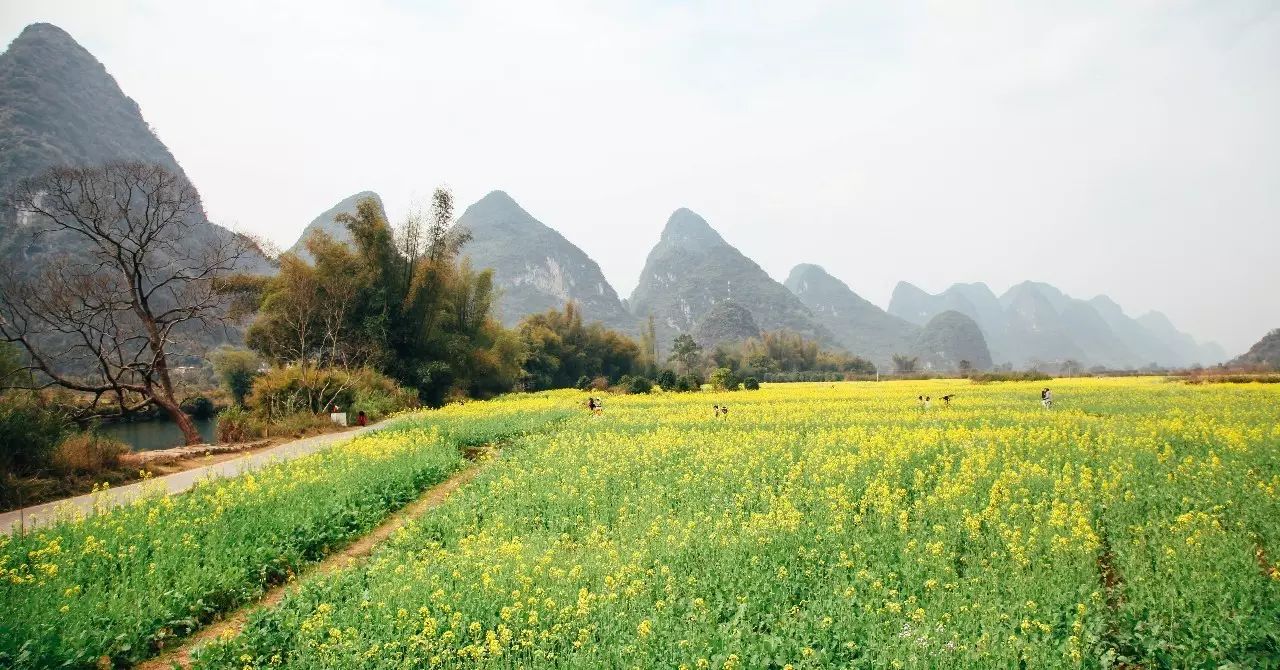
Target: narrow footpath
(361,548)
(27,518)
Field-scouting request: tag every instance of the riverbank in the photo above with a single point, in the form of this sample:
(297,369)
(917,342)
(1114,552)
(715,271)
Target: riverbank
(137,466)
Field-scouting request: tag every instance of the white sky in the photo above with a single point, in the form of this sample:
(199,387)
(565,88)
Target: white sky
(1130,148)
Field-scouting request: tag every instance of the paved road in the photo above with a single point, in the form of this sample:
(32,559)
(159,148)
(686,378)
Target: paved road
(39,515)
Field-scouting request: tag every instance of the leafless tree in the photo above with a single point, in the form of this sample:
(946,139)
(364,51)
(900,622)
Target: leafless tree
(141,273)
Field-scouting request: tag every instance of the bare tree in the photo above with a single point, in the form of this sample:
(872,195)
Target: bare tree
(106,318)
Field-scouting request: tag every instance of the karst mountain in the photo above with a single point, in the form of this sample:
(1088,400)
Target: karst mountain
(692,269)
(1264,354)
(535,267)
(60,107)
(327,222)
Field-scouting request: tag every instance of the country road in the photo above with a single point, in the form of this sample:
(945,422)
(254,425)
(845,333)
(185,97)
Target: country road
(21,520)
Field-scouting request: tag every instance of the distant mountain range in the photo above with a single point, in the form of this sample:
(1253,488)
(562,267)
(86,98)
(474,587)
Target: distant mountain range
(1034,322)
(696,282)
(59,106)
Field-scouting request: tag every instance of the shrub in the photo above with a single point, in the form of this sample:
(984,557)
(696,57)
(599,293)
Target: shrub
(667,380)
(199,407)
(237,424)
(584,382)
(88,453)
(287,391)
(723,379)
(599,384)
(751,384)
(689,382)
(29,433)
(639,385)
(378,401)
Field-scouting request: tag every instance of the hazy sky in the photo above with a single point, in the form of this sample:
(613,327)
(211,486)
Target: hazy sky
(1130,148)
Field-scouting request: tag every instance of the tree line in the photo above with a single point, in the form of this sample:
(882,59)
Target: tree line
(150,280)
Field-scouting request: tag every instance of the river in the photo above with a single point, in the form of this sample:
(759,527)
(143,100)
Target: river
(156,434)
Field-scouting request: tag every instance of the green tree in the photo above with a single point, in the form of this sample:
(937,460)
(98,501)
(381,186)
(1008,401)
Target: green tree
(236,369)
(685,353)
(560,349)
(649,347)
(403,304)
(723,379)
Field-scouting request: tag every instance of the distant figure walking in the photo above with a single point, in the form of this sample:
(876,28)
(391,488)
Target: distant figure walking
(946,399)
(1046,398)
(361,419)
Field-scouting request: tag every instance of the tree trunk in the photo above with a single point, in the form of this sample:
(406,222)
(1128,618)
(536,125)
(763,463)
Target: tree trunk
(188,427)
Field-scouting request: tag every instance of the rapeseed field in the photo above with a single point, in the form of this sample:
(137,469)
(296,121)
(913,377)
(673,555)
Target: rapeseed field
(1135,523)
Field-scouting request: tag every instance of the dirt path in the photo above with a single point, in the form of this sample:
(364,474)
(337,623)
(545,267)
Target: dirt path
(234,622)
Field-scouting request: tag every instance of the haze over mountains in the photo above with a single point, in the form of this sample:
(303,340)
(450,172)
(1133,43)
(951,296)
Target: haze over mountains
(1034,322)
(58,105)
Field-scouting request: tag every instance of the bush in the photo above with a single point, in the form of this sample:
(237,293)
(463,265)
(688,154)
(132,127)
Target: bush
(29,433)
(599,384)
(88,453)
(377,402)
(283,392)
(689,382)
(751,384)
(639,385)
(237,424)
(584,382)
(667,380)
(723,379)
(199,407)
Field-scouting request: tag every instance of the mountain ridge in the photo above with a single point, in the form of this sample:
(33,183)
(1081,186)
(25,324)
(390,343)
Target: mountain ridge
(535,266)
(59,106)
(692,267)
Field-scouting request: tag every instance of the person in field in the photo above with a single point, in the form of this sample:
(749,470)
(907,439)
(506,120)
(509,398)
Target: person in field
(362,419)
(920,401)
(946,399)
(1046,398)
(721,411)
(927,400)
